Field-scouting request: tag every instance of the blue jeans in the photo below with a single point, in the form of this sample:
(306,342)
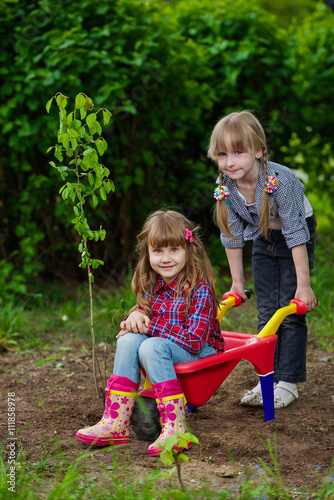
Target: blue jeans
(275,285)
(156,355)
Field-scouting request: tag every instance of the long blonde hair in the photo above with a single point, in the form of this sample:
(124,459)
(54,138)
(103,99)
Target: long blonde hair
(167,228)
(245,133)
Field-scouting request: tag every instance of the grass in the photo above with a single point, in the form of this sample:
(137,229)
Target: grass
(53,477)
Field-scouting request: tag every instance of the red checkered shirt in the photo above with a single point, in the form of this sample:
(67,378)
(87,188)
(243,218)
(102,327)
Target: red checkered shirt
(190,330)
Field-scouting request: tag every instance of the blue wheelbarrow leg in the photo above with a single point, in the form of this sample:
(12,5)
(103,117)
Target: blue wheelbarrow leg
(267,388)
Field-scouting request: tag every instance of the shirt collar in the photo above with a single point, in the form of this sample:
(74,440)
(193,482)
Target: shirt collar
(162,284)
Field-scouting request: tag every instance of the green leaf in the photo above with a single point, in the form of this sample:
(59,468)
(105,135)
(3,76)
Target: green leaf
(74,143)
(82,131)
(58,154)
(63,171)
(48,104)
(170,442)
(103,193)
(76,124)
(102,233)
(90,120)
(159,473)
(109,186)
(72,132)
(167,457)
(91,179)
(65,141)
(101,146)
(106,116)
(98,127)
(189,437)
(95,200)
(183,457)
(61,101)
(80,101)
(95,263)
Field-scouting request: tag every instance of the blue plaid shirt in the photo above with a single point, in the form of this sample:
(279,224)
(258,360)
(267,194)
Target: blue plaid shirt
(287,203)
(190,329)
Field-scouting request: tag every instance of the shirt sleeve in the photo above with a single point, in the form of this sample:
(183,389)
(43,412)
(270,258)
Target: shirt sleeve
(193,334)
(291,211)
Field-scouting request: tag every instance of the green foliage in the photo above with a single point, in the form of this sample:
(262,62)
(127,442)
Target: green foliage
(171,455)
(321,319)
(167,71)
(53,477)
(11,323)
(309,147)
(287,11)
(76,140)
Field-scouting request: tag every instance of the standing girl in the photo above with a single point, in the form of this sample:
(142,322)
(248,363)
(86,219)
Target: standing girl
(174,321)
(263,201)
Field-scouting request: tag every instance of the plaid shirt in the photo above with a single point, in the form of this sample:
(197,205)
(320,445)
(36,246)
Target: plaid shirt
(190,330)
(287,203)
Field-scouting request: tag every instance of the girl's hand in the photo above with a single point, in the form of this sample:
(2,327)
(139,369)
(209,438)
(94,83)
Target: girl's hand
(307,296)
(136,322)
(121,333)
(239,290)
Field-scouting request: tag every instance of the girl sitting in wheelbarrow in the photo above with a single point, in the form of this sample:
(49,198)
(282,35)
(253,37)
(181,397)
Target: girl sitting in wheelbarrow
(173,322)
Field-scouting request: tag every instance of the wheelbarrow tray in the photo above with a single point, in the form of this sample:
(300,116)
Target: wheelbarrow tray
(200,379)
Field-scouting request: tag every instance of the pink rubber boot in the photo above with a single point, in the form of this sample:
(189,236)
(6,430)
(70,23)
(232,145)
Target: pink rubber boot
(114,426)
(170,399)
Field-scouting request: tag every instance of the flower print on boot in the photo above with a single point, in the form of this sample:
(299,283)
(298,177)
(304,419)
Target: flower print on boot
(170,399)
(114,426)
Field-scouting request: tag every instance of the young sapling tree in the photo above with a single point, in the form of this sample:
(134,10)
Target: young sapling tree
(78,150)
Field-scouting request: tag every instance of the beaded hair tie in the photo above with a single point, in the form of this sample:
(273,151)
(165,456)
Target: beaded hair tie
(221,193)
(271,184)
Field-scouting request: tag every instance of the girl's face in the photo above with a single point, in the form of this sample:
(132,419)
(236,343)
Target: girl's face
(239,165)
(167,261)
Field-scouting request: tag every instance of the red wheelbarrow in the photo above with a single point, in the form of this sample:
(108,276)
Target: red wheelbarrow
(201,379)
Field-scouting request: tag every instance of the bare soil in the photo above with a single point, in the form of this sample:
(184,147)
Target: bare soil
(55,396)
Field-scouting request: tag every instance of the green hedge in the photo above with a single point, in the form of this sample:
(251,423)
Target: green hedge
(167,71)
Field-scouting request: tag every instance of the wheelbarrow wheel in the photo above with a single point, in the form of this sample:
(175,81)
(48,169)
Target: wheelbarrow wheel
(145,420)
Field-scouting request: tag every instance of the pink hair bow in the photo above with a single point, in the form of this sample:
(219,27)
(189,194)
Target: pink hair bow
(189,235)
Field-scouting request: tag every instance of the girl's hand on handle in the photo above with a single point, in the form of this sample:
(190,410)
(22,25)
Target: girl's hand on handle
(240,291)
(304,291)
(136,322)
(306,294)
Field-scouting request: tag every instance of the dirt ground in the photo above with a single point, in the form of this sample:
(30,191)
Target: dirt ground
(55,396)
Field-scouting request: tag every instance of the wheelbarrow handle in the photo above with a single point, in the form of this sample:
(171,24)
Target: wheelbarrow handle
(230,299)
(237,297)
(295,306)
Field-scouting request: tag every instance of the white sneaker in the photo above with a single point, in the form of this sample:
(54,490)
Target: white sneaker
(252,398)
